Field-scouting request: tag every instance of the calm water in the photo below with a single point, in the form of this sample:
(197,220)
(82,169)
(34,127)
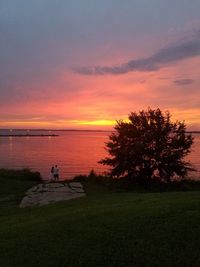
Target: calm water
(74,152)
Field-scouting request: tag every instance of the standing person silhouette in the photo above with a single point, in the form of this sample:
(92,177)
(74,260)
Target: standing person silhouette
(56,173)
(51,176)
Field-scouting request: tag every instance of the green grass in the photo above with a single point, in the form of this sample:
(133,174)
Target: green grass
(13,184)
(103,229)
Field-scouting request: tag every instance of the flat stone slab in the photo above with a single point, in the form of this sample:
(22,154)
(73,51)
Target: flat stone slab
(76,184)
(77,187)
(46,193)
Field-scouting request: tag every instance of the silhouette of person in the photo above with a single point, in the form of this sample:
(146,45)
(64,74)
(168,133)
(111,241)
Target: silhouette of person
(56,173)
(51,176)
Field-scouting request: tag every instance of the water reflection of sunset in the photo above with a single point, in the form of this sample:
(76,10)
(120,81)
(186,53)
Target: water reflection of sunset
(75,152)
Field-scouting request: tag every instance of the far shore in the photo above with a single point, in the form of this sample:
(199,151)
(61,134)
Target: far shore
(25,135)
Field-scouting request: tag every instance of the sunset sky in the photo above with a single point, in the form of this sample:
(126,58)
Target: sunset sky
(83,64)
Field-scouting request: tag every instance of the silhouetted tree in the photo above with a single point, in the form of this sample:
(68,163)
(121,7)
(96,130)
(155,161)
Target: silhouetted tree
(149,145)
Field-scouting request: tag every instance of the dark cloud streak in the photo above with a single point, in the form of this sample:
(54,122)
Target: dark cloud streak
(183,82)
(170,54)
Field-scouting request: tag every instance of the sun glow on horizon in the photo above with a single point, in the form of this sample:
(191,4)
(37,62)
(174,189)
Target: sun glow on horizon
(190,118)
(97,122)
(58,124)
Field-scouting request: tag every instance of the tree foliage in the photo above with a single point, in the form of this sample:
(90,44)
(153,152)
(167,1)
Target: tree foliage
(149,146)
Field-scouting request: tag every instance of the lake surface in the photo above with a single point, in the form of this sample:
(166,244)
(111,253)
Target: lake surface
(75,152)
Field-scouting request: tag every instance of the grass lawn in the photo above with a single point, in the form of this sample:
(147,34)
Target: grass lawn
(103,229)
